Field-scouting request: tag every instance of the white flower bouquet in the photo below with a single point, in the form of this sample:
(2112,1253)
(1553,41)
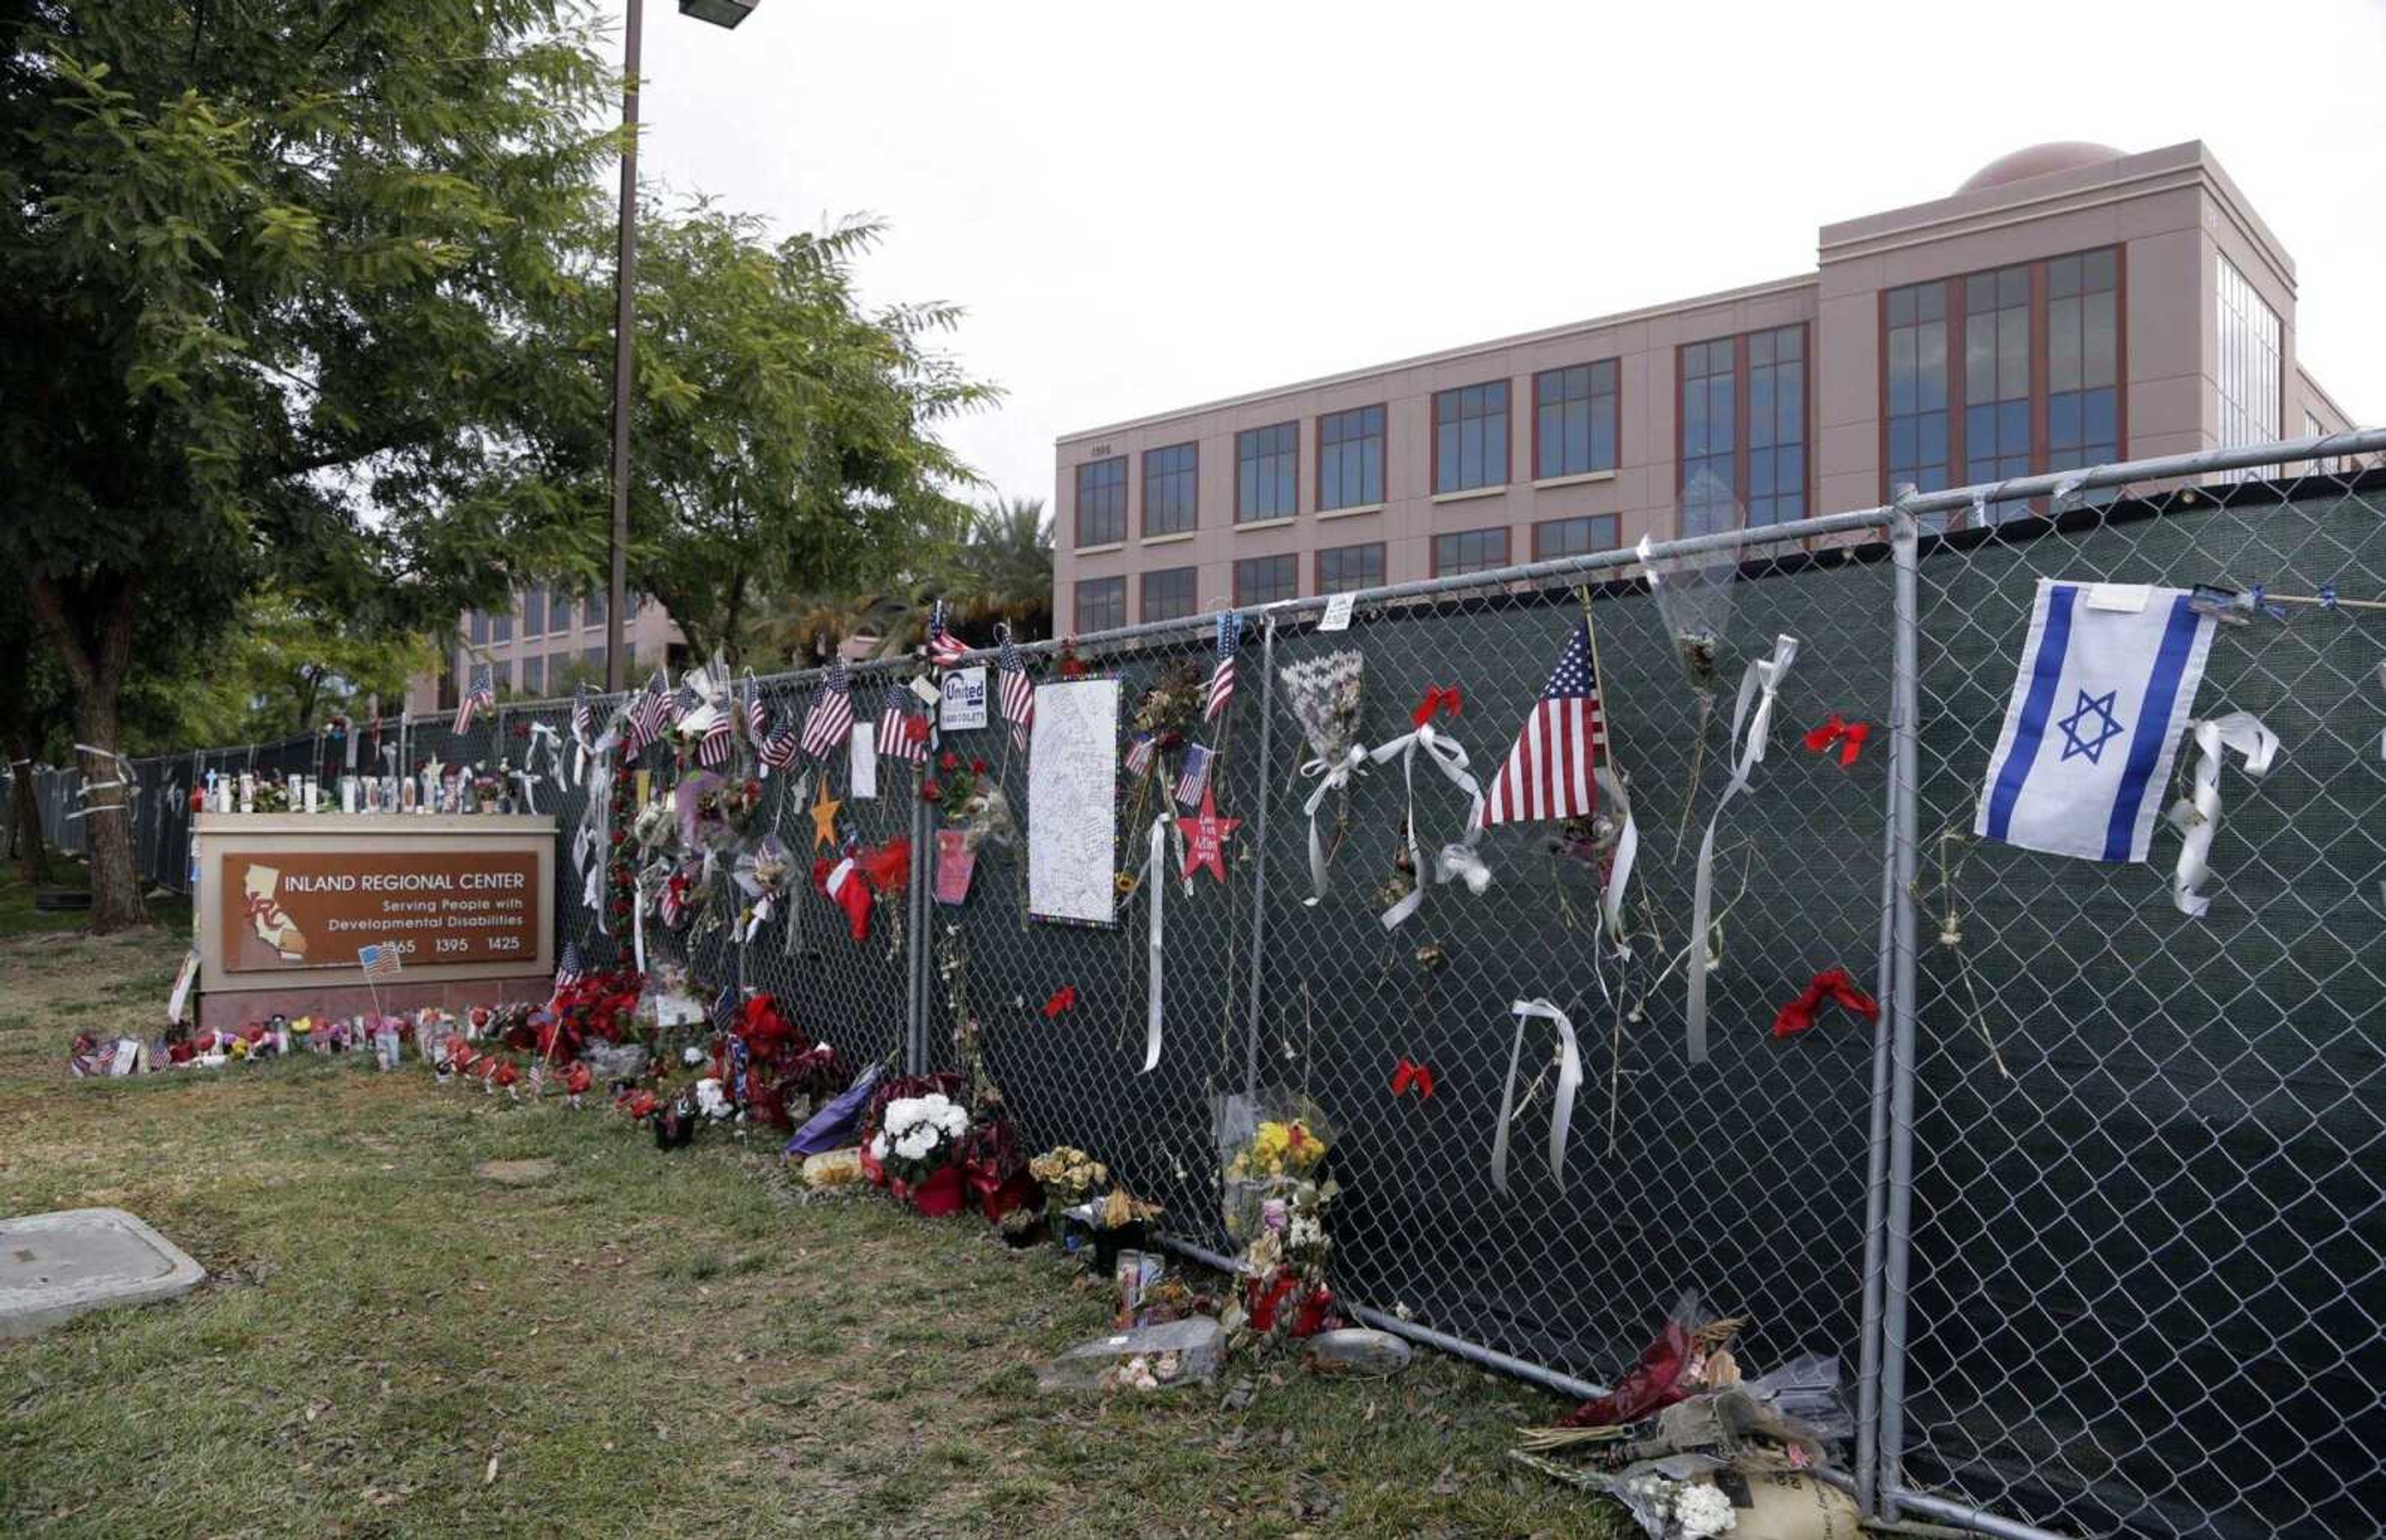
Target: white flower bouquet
(919,1135)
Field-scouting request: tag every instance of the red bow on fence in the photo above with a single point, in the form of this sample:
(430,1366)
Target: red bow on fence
(1062,998)
(1440,697)
(1835,984)
(1412,1073)
(1849,735)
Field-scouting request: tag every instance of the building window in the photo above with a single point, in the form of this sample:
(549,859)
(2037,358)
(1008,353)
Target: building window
(1915,366)
(1350,459)
(1267,472)
(2038,385)
(1469,551)
(1470,437)
(594,659)
(1575,537)
(501,673)
(1169,595)
(1743,429)
(533,675)
(1264,580)
(1348,566)
(1996,375)
(534,612)
(592,614)
(1101,502)
(1573,421)
(1102,603)
(1710,464)
(477,628)
(2249,370)
(1171,490)
(501,628)
(559,612)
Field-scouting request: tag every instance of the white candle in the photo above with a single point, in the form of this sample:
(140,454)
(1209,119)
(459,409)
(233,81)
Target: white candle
(347,794)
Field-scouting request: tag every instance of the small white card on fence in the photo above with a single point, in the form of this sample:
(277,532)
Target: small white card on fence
(2121,598)
(964,703)
(865,763)
(1337,612)
(925,688)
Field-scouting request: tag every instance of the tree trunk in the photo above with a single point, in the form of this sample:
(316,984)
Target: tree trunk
(32,857)
(107,825)
(96,668)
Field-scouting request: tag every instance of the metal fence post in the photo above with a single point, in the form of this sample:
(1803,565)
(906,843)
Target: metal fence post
(1876,1181)
(1259,872)
(1897,1231)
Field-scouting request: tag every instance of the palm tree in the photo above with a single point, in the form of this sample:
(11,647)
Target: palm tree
(1000,570)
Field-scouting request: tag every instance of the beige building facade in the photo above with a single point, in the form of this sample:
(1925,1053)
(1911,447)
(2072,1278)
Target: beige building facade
(2069,305)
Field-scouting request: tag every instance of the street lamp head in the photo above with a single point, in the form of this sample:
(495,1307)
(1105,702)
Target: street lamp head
(720,13)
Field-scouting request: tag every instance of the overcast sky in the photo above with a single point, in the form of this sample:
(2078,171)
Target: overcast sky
(1148,207)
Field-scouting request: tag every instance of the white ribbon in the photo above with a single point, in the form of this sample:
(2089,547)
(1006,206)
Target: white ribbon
(2382,736)
(1627,849)
(1759,683)
(1457,860)
(2197,815)
(1569,1079)
(1336,777)
(1155,886)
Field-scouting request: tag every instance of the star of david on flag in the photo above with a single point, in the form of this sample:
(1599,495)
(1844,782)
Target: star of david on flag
(2106,685)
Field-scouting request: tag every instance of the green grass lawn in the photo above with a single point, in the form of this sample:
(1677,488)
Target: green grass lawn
(19,916)
(645,1344)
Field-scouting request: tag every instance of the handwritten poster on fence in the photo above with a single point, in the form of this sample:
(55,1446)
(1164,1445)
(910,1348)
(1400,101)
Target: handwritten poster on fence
(1072,790)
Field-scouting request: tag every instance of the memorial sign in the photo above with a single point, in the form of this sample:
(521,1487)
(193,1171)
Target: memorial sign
(433,903)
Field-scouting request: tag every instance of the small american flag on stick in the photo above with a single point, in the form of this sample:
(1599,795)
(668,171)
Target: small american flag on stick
(648,714)
(379,962)
(720,740)
(945,649)
(567,969)
(481,695)
(1563,741)
(832,714)
(895,739)
(1018,691)
(1222,677)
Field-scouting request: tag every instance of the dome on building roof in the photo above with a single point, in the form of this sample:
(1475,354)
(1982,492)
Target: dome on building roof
(2038,160)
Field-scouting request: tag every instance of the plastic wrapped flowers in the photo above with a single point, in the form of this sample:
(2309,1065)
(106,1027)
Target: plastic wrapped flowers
(919,1132)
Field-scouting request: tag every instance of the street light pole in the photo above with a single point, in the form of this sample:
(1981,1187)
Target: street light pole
(625,290)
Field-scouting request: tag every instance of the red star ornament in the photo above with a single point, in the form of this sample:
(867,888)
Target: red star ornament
(1205,836)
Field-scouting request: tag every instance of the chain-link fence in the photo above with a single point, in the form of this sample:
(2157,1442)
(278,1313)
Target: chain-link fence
(2093,1217)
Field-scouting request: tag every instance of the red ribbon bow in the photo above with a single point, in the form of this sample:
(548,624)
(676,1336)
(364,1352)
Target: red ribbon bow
(1834,984)
(1849,735)
(1436,698)
(1412,1073)
(1062,998)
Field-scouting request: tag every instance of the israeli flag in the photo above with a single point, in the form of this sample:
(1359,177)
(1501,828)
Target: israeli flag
(2107,682)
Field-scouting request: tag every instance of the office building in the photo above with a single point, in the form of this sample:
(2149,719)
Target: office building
(2069,305)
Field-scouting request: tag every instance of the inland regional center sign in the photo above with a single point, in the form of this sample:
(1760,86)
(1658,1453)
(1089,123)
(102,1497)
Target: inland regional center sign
(435,902)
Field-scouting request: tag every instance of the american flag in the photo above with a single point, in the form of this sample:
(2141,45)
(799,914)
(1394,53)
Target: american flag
(481,695)
(379,962)
(568,970)
(1549,772)
(719,739)
(895,739)
(1195,778)
(1138,753)
(1222,677)
(648,713)
(831,717)
(1018,691)
(758,721)
(778,750)
(945,649)
(583,716)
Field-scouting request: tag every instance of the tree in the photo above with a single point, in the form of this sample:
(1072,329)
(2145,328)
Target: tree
(285,667)
(1003,573)
(268,280)
(783,434)
(32,707)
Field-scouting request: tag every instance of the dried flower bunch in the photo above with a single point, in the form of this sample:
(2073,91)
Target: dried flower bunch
(1322,696)
(1173,704)
(1068,1174)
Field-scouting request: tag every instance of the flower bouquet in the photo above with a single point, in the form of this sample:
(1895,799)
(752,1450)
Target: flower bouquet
(996,1171)
(1322,696)
(918,1145)
(1070,1177)
(1276,1192)
(1693,596)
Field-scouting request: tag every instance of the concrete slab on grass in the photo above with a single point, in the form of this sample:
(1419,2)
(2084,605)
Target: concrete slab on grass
(54,1266)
